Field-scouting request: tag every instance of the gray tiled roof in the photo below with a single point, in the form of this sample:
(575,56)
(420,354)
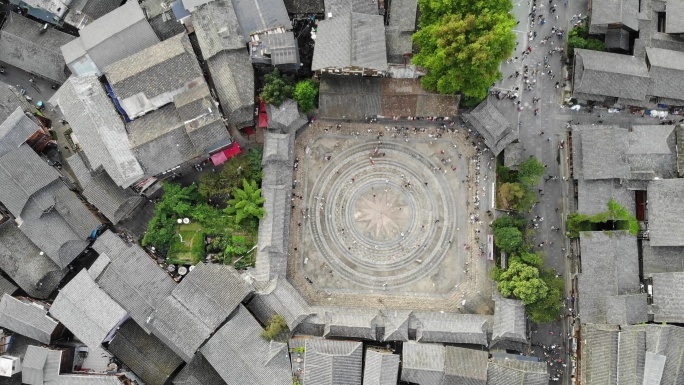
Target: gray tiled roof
(286,117)
(351,323)
(666,70)
(197,306)
(599,354)
(6,287)
(280,297)
(150,78)
(9,100)
(114,36)
(165,25)
(233,76)
(277,147)
(517,372)
(24,174)
(198,372)
(99,129)
(160,140)
(132,278)
(667,297)
(328,362)
(423,363)
(631,357)
(350,97)
(626,309)
(510,325)
(661,259)
(665,212)
(675,17)
(83,12)
(27,319)
(380,368)
(86,310)
(599,152)
(15,130)
(607,12)
(260,15)
(450,327)
(89,379)
(239,353)
(282,47)
(40,365)
(402,15)
(492,125)
(36,274)
(113,201)
(217,29)
(396,324)
(654,364)
(147,357)
(25,45)
(594,195)
(617,38)
(610,74)
(304,6)
(338,7)
(513,155)
(464,366)
(351,40)
(610,266)
(398,43)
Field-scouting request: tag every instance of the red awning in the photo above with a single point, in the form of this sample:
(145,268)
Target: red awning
(263,116)
(226,154)
(248,130)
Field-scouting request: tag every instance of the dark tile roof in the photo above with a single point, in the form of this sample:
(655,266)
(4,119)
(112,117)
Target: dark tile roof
(423,363)
(399,43)
(84,12)
(665,212)
(113,201)
(661,259)
(464,366)
(350,97)
(9,100)
(340,7)
(147,357)
(86,310)
(132,278)
(451,327)
(594,195)
(380,368)
(198,372)
(25,45)
(674,21)
(280,297)
(304,6)
(612,354)
(166,26)
(497,131)
(6,287)
(396,324)
(599,152)
(667,297)
(233,76)
(217,29)
(114,36)
(40,365)
(666,71)
(23,261)
(511,371)
(350,40)
(610,266)
(406,97)
(99,129)
(610,74)
(240,355)
(609,12)
(197,306)
(510,324)
(626,309)
(15,129)
(617,38)
(286,117)
(402,15)
(148,79)
(260,15)
(26,318)
(328,362)
(354,323)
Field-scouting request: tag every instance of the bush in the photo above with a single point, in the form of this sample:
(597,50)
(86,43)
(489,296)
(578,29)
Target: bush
(276,328)
(220,185)
(547,309)
(277,88)
(523,282)
(306,95)
(579,38)
(508,239)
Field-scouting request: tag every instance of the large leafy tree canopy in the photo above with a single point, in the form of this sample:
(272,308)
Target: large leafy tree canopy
(462,44)
(522,281)
(247,202)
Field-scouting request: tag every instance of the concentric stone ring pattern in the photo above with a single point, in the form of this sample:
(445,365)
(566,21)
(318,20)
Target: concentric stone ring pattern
(382,213)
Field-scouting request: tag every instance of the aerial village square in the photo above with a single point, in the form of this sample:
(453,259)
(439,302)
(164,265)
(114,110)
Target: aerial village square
(342,192)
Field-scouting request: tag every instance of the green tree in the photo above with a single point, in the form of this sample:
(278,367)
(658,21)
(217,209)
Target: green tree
(276,328)
(579,38)
(531,259)
(547,309)
(508,239)
(505,174)
(306,95)
(516,221)
(510,194)
(246,203)
(277,88)
(462,47)
(530,172)
(523,282)
(219,185)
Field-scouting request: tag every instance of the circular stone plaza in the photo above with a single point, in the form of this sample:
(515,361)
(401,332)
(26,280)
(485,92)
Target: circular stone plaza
(391,217)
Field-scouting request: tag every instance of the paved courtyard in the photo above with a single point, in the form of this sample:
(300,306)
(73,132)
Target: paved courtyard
(391,216)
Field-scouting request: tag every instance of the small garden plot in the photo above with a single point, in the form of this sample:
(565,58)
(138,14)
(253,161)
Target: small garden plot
(188,246)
